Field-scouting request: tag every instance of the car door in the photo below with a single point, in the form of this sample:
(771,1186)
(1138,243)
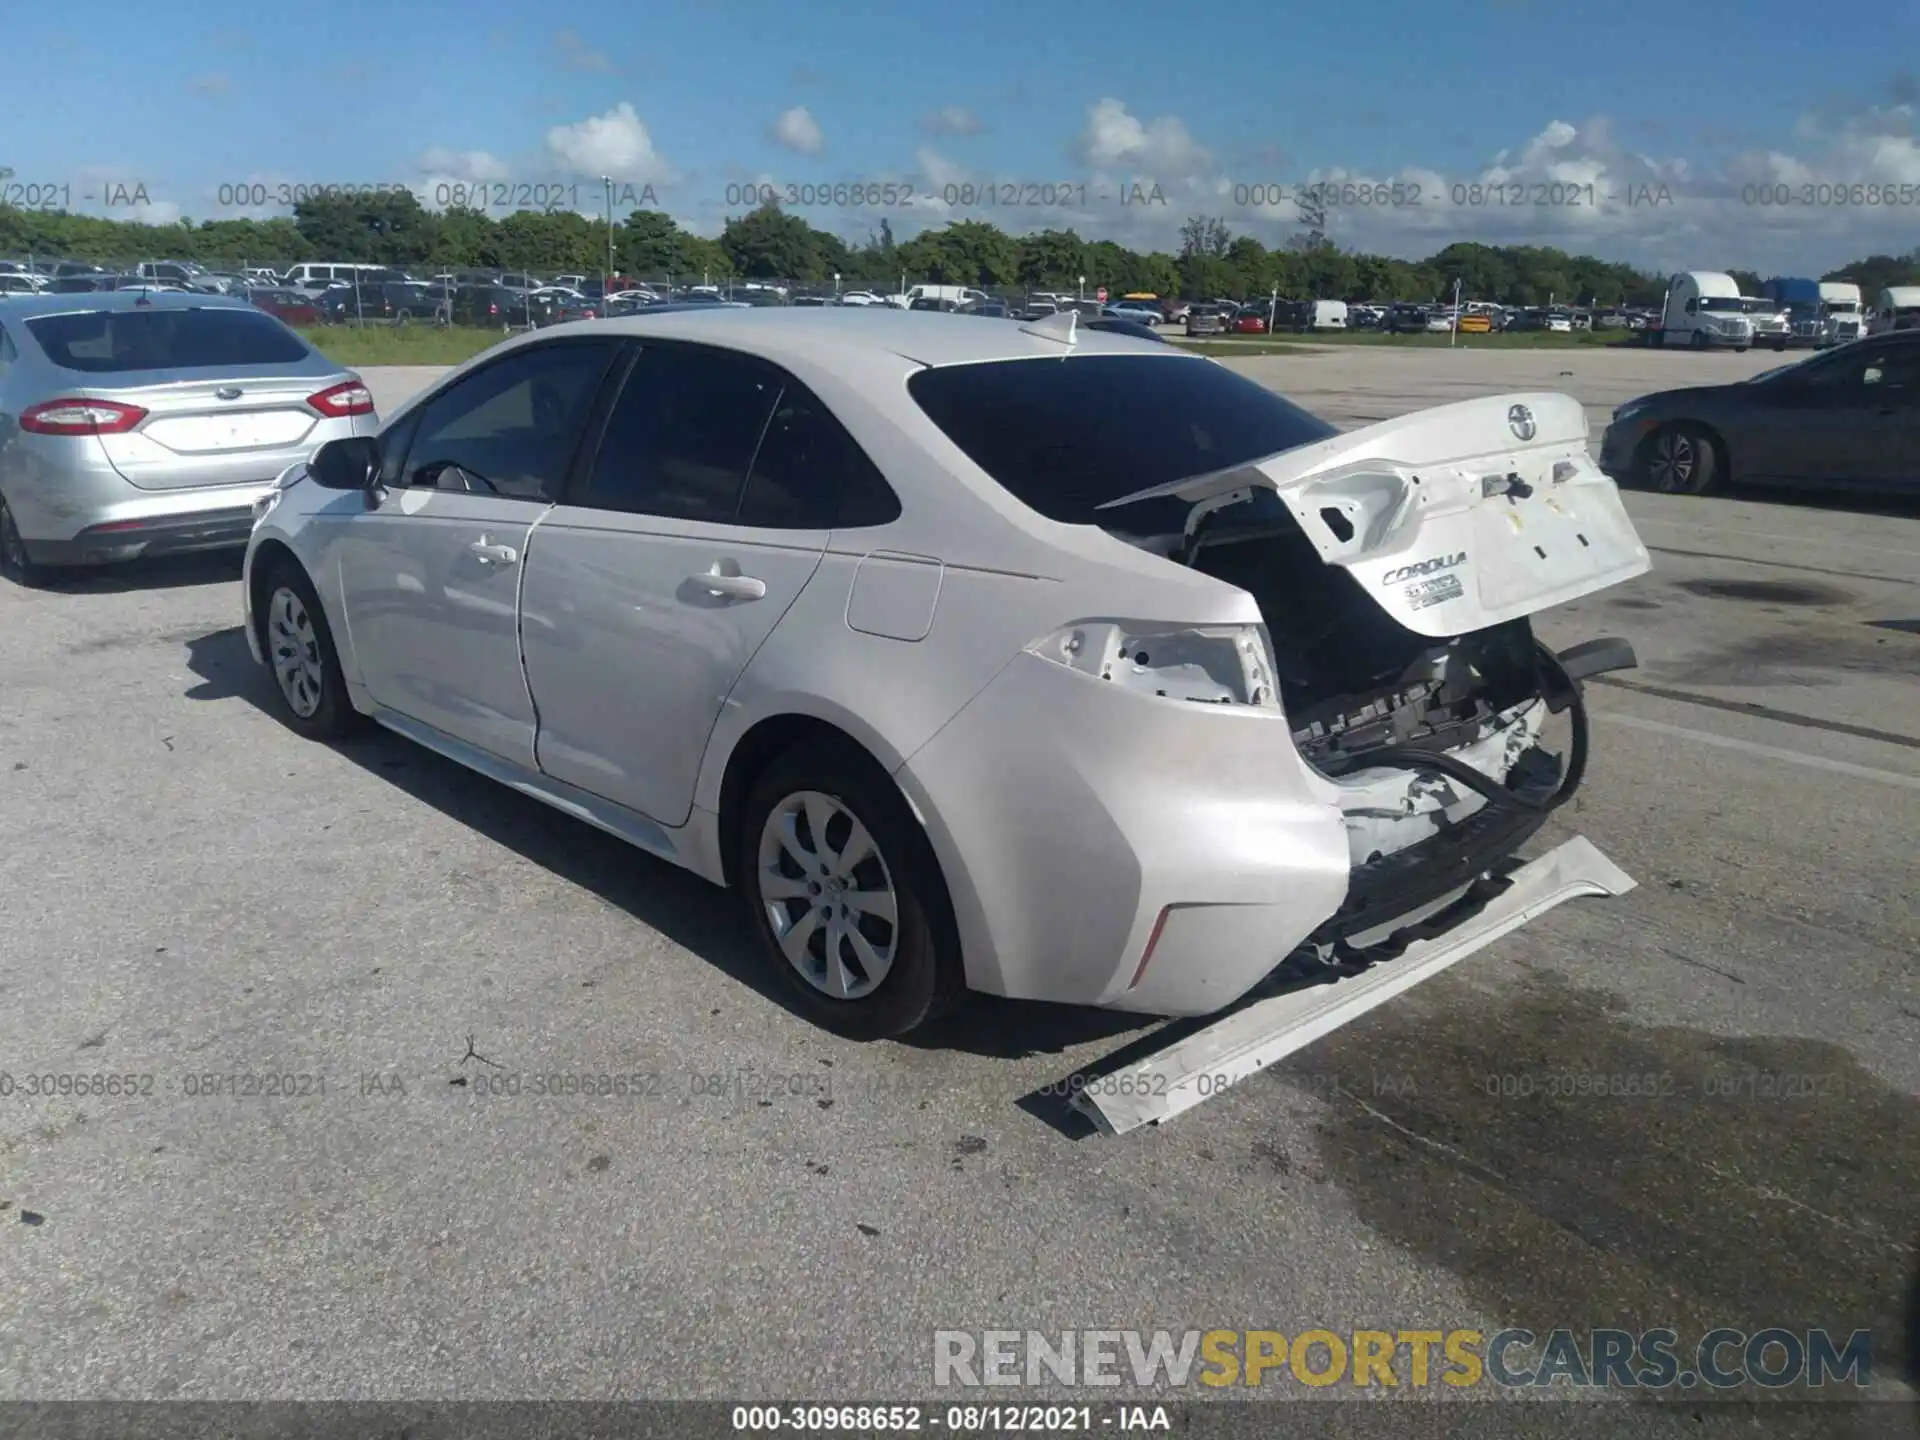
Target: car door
(430,575)
(1893,389)
(1847,419)
(650,588)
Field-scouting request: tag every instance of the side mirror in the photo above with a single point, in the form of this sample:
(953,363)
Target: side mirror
(349,463)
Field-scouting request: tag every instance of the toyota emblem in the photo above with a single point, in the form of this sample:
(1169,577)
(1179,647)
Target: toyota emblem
(1520,421)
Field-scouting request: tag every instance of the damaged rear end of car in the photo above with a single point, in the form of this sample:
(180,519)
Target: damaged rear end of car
(1304,784)
(1397,569)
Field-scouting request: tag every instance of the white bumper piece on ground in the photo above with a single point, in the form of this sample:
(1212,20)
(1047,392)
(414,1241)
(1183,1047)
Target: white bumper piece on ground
(1248,1040)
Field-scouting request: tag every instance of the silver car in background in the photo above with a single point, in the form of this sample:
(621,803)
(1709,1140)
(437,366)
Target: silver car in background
(134,423)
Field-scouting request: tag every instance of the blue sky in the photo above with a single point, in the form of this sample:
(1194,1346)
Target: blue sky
(1223,105)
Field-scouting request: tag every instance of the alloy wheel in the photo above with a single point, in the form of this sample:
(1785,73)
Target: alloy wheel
(828,895)
(1673,463)
(294,649)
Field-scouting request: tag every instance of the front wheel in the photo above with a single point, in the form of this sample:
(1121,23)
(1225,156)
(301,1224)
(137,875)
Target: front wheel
(846,895)
(299,647)
(1679,460)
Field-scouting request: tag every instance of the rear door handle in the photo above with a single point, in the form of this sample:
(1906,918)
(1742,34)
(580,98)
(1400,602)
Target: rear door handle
(487,553)
(737,587)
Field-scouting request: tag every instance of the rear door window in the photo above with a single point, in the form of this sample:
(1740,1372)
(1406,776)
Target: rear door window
(107,342)
(1066,436)
(810,474)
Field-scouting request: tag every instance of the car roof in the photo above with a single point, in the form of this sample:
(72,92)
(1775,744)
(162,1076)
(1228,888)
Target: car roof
(73,302)
(815,332)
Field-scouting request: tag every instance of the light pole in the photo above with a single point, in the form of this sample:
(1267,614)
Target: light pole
(606,277)
(1083,287)
(836,284)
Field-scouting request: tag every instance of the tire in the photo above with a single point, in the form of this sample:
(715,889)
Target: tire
(1656,338)
(311,689)
(405,317)
(1700,341)
(1679,460)
(1779,346)
(839,785)
(1741,349)
(15,564)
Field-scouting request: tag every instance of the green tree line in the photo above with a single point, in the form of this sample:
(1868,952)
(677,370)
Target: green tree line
(768,243)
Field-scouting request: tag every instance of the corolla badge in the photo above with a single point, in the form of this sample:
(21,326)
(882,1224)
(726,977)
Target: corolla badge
(1520,421)
(1430,566)
(228,392)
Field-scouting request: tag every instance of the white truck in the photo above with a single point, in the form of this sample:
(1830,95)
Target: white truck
(1704,310)
(958,294)
(1898,308)
(1842,312)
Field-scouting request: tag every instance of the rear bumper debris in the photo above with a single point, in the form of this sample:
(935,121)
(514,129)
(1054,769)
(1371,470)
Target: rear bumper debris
(1264,1031)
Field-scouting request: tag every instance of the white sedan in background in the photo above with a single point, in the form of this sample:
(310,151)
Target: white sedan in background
(1054,665)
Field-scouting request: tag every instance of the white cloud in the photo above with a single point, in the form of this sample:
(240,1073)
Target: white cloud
(799,131)
(462,164)
(1577,187)
(952,120)
(616,144)
(457,176)
(578,56)
(1572,184)
(1161,149)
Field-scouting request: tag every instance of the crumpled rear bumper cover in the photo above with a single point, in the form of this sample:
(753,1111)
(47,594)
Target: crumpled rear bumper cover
(1211,1060)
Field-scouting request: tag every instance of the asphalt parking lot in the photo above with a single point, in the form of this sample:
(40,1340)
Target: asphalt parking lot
(191,891)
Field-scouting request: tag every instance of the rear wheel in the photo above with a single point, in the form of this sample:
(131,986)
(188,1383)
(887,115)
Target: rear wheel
(845,894)
(1700,341)
(1679,460)
(299,647)
(15,564)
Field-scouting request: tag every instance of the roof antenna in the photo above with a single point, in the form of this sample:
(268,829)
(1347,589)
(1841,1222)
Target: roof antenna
(1058,327)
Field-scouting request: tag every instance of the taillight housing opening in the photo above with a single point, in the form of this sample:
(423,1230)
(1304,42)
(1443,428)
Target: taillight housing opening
(339,401)
(78,416)
(1228,665)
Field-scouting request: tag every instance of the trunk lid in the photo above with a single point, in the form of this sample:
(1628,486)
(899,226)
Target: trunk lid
(1454,518)
(234,428)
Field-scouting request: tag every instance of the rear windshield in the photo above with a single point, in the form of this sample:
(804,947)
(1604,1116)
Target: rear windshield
(108,342)
(105,342)
(1066,436)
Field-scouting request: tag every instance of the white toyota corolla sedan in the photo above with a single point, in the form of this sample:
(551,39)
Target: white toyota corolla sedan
(977,656)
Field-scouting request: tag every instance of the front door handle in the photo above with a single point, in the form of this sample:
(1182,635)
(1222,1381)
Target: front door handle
(487,553)
(736,587)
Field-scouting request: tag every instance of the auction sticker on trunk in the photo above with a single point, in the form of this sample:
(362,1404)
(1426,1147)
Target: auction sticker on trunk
(1434,592)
